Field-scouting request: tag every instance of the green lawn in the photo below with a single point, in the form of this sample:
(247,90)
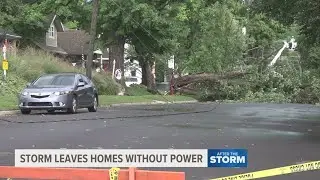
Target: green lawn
(10,102)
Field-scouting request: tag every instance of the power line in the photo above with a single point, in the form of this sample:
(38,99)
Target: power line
(117,117)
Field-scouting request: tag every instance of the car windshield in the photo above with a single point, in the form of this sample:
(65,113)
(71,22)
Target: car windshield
(55,80)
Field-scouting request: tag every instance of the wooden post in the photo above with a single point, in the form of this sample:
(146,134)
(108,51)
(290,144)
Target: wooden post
(4,50)
(101,63)
(14,48)
(113,68)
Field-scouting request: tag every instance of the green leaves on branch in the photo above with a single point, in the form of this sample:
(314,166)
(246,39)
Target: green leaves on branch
(264,30)
(219,41)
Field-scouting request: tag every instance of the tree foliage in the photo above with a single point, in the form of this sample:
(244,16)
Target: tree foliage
(205,36)
(219,43)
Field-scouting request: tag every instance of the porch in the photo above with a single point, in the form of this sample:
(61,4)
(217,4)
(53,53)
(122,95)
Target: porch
(11,40)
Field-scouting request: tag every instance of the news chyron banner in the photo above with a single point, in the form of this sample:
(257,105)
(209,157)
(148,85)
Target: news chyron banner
(89,158)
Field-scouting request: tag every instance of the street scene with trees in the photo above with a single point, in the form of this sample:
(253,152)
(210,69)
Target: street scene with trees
(230,50)
(172,74)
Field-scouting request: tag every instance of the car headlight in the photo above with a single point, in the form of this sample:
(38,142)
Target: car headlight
(24,93)
(61,93)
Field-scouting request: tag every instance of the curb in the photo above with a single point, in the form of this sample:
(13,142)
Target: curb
(152,103)
(14,112)
(6,113)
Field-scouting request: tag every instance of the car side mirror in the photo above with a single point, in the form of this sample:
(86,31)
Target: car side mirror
(28,85)
(80,84)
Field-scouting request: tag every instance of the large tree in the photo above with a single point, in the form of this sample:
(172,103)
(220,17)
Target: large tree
(147,25)
(156,35)
(214,39)
(306,14)
(10,11)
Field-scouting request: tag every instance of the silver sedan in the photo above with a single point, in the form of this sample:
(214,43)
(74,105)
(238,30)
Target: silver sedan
(64,91)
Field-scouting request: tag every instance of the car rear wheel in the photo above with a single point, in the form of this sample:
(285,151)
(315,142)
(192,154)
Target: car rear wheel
(95,105)
(74,106)
(25,111)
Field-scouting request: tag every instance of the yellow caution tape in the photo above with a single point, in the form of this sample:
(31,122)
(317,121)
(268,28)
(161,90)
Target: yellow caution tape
(310,166)
(113,173)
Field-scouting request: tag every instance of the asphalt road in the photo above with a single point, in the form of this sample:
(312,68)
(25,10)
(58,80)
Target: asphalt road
(275,135)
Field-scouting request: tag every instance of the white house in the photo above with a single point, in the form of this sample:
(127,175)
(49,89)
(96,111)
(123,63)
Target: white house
(132,70)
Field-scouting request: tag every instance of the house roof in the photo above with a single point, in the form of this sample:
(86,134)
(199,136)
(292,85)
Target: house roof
(74,42)
(8,34)
(43,46)
(52,18)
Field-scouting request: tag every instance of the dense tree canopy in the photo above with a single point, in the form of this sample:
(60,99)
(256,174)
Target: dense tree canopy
(205,36)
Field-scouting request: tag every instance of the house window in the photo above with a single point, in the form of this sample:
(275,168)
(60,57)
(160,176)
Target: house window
(133,73)
(51,31)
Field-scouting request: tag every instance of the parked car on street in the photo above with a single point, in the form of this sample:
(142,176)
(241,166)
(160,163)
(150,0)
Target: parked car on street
(64,91)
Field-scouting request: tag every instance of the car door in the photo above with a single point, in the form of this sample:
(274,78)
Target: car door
(89,91)
(81,92)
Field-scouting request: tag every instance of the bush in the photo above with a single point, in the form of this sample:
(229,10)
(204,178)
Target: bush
(281,85)
(309,93)
(271,97)
(12,86)
(106,85)
(137,90)
(30,64)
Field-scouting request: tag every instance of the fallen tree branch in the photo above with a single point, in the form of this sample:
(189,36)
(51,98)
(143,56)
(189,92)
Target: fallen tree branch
(198,78)
(188,89)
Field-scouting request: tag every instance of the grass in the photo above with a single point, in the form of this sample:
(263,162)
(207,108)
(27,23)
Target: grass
(8,103)
(137,90)
(11,102)
(109,100)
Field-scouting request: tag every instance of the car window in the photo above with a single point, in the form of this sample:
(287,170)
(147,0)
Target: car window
(85,79)
(55,80)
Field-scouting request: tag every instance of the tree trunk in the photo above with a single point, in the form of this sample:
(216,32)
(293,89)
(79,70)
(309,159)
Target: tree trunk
(144,73)
(147,76)
(146,62)
(116,52)
(92,37)
(197,78)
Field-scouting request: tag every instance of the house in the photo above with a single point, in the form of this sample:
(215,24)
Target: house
(71,45)
(12,40)
(132,70)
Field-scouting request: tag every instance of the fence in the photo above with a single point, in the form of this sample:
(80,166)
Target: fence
(87,174)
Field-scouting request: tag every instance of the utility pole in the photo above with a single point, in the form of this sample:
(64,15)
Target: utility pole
(92,37)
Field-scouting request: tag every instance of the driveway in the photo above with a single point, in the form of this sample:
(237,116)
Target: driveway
(275,135)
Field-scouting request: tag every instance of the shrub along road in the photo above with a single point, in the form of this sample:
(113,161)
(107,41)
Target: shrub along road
(275,135)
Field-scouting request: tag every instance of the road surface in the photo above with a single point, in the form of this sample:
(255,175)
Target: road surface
(275,135)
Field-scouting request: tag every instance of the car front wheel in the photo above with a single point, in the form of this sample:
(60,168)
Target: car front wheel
(95,105)
(74,105)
